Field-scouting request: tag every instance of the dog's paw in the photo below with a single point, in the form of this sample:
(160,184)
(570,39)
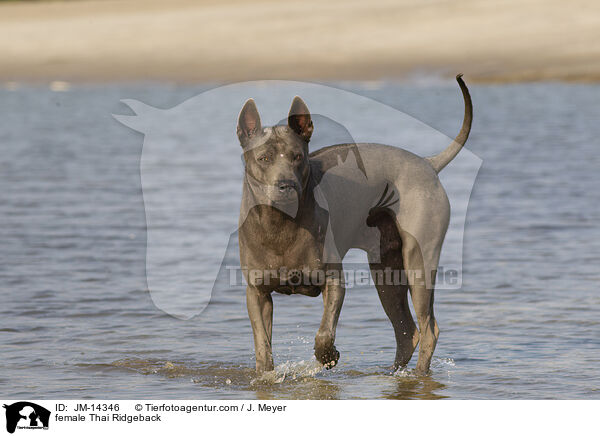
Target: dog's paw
(328,356)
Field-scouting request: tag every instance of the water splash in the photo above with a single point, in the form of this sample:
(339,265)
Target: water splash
(290,371)
(442,362)
(437,363)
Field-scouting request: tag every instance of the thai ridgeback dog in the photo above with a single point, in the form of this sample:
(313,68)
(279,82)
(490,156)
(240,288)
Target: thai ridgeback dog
(301,212)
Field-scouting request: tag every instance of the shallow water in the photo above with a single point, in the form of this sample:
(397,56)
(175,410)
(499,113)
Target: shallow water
(77,321)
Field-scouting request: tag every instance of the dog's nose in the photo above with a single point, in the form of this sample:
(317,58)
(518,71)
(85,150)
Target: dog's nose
(285,185)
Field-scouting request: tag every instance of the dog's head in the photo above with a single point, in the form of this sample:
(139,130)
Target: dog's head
(276,157)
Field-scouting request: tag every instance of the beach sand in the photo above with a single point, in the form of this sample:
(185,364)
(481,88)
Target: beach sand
(231,40)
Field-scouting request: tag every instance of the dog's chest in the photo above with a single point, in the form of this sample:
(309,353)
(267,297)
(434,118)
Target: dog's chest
(300,259)
(284,255)
(299,269)
(294,276)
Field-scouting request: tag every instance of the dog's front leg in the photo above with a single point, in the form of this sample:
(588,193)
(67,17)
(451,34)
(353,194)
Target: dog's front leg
(333,297)
(260,311)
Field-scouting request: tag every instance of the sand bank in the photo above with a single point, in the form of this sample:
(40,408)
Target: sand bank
(229,40)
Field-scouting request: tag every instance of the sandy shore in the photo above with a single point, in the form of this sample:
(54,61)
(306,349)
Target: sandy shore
(228,40)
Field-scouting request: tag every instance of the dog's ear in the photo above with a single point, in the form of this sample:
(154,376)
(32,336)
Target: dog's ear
(299,119)
(248,122)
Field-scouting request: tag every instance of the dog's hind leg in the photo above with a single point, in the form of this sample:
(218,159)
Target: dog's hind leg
(422,223)
(390,281)
(421,270)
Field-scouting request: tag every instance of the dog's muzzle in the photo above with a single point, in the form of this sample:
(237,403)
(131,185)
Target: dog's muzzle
(286,187)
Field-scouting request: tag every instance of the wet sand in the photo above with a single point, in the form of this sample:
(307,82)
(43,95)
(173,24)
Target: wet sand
(210,40)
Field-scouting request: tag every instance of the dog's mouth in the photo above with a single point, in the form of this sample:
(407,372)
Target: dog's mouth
(280,192)
(285,201)
(278,196)
(285,198)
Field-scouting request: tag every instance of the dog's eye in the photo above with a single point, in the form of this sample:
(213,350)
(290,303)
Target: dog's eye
(298,157)
(264,158)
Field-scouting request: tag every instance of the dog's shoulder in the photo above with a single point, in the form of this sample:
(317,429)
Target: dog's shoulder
(323,159)
(335,149)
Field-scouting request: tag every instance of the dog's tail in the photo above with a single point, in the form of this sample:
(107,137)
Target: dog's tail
(439,161)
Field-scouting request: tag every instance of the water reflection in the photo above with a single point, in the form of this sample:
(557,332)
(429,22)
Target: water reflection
(417,388)
(290,381)
(308,389)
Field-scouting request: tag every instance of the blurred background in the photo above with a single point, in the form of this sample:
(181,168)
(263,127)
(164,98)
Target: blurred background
(76,318)
(232,40)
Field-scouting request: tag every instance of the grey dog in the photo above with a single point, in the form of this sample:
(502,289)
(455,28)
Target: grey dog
(301,212)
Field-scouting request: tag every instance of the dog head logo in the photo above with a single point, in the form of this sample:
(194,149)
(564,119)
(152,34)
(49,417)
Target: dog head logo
(26,415)
(192,176)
